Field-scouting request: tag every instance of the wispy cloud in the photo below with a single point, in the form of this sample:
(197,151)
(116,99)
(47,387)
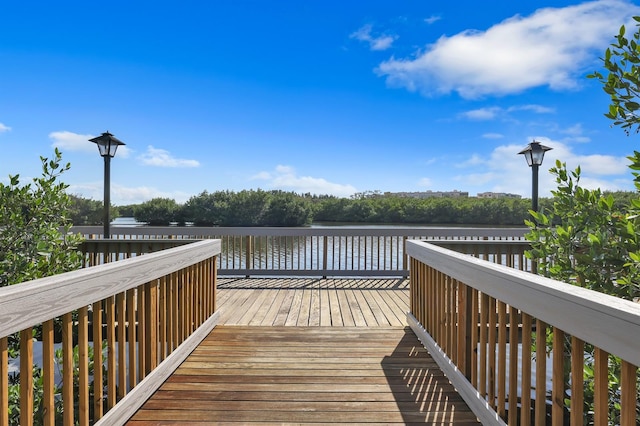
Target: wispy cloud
(493,136)
(432,19)
(123,195)
(69,141)
(286,178)
(163,158)
(4,128)
(549,48)
(494,112)
(488,113)
(378,42)
(538,109)
(575,133)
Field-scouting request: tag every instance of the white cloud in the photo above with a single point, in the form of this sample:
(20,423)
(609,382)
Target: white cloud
(163,158)
(492,113)
(503,170)
(69,141)
(380,42)
(489,113)
(124,195)
(286,178)
(538,109)
(4,128)
(550,48)
(575,130)
(432,19)
(493,136)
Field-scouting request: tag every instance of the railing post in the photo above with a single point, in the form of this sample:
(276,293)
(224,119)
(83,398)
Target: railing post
(325,251)
(405,257)
(249,253)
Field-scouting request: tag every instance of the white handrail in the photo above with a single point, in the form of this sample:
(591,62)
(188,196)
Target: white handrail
(609,322)
(31,303)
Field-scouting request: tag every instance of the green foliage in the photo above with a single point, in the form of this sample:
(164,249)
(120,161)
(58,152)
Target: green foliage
(280,208)
(35,226)
(38,386)
(36,242)
(207,209)
(287,209)
(622,83)
(157,211)
(585,239)
(84,211)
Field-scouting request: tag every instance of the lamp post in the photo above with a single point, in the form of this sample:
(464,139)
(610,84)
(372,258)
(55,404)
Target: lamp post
(534,154)
(107,146)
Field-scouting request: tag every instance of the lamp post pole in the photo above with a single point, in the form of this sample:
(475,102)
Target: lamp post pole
(534,187)
(107,146)
(107,197)
(534,154)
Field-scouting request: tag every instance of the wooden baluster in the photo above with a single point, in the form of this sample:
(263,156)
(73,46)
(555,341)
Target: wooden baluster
(151,327)
(525,404)
(162,317)
(141,329)
(48,374)
(26,377)
(474,334)
(513,364)
(131,338)
(541,373)
(67,370)
(601,388)
(175,311)
(122,345)
(502,358)
(577,381)
(111,352)
(4,381)
(557,381)
(492,352)
(484,324)
(83,366)
(628,387)
(98,380)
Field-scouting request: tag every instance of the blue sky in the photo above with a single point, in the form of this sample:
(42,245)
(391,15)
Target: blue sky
(327,97)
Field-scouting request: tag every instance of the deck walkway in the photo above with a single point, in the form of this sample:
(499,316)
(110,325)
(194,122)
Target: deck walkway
(306,351)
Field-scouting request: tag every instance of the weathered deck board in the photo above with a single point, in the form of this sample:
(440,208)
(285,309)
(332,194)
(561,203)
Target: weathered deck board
(306,350)
(313,302)
(261,375)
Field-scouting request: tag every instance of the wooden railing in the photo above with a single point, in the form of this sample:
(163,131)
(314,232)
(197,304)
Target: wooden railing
(135,320)
(330,251)
(481,320)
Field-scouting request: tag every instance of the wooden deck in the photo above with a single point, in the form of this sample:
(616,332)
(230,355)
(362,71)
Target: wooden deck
(301,351)
(313,302)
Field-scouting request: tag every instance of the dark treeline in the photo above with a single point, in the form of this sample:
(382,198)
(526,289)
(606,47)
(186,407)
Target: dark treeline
(280,208)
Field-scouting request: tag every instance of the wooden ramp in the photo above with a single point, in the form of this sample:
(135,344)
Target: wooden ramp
(349,375)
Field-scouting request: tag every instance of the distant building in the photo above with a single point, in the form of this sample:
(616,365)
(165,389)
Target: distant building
(497,195)
(431,194)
